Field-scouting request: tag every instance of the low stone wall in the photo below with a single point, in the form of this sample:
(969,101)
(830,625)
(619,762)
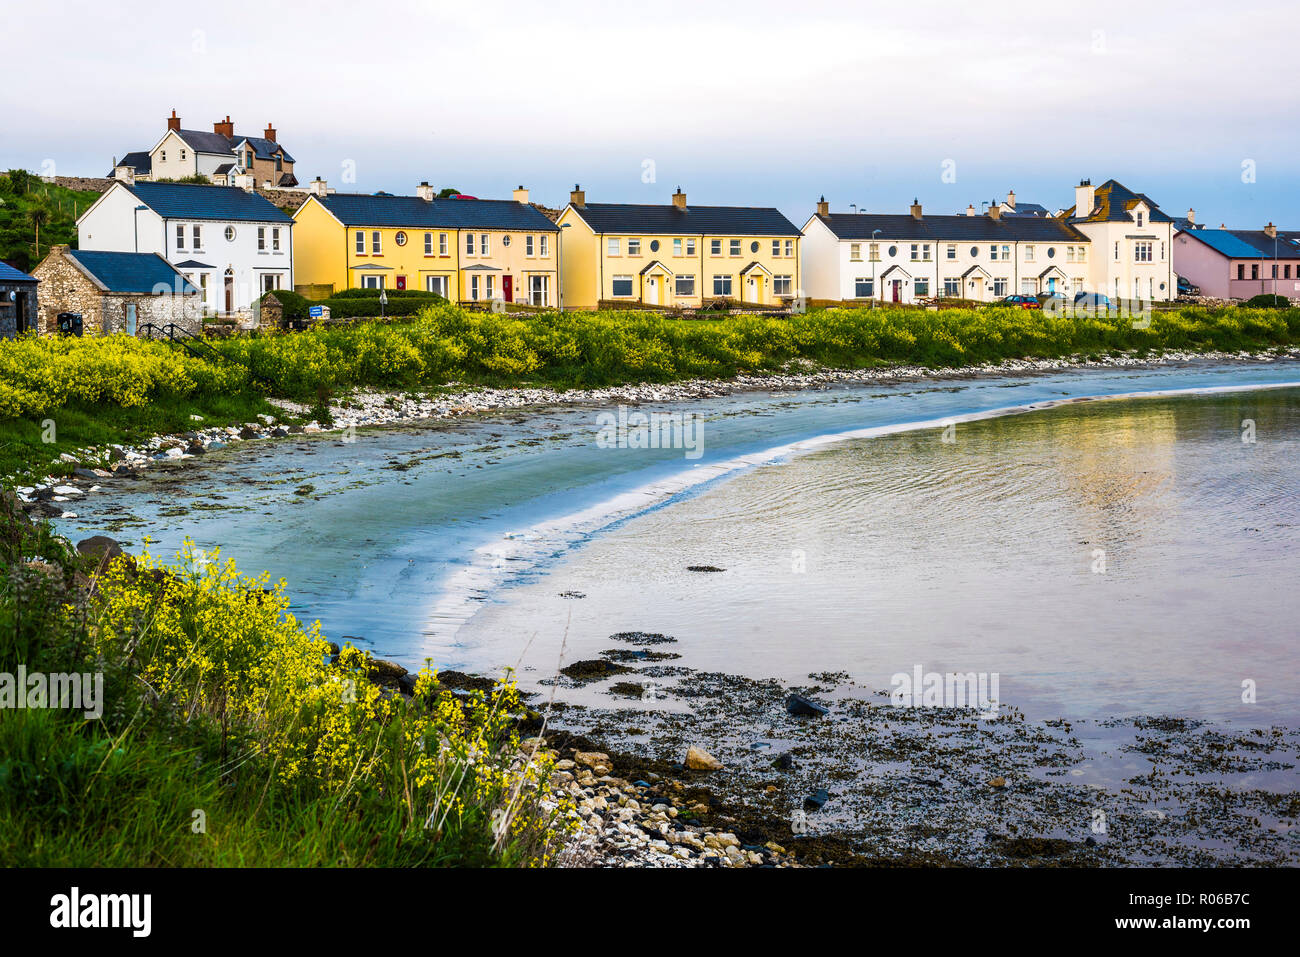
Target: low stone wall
(96,184)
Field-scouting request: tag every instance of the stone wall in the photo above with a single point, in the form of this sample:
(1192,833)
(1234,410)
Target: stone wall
(65,288)
(25,300)
(98,184)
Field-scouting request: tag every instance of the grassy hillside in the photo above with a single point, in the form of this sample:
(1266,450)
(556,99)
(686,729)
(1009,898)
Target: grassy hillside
(24,198)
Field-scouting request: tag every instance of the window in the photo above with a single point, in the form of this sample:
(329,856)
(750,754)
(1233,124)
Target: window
(862,287)
(180,236)
(162,155)
(916,252)
(677,247)
(1254,270)
(1117,250)
(873,252)
(993,252)
(491,286)
(999,287)
(634,247)
(715,247)
(921,286)
(436,284)
(776,248)
(361,243)
(1286,272)
(1029,253)
(855,252)
(1241,270)
(473,283)
(654,245)
(483,249)
(783,285)
(442,244)
(528,245)
(1069,254)
(261,239)
(611,248)
(952,250)
(270,282)
(974,252)
(1139,217)
(539,290)
(1274,271)
(734,247)
(690,247)
(722,285)
(469,244)
(893,251)
(621,287)
(196,237)
(230,234)
(1162,252)
(546,245)
(275,239)
(372,282)
(952,286)
(376,249)
(1028,287)
(789,249)
(1142,252)
(920,252)
(1006,252)
(400,238)
(685,286)
(1082,253)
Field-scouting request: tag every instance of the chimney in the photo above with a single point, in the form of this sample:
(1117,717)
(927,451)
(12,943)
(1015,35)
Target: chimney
(1270,231)
(318,187)
(174,122)
(270,133)
(521,195)
(1191,216)
(1083,198)
(823,207)
(995,212)
(578,197)
(425,192)
(224,127)
(916,208)
(1011,200)
(970,209)
(679,198)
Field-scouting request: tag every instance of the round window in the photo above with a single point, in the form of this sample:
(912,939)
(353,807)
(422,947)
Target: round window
(230,234)
(1162,287)
(753,247)
(1051,252)
(505,240)
(400,238)
(893,251)
(974,251)
(654,245)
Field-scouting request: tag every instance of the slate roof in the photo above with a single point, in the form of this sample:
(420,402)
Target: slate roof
(1111,203)
(691,221)
(9,274)
(138,161)
(905,227)
(412,212)
(1028,209)
(130,272)
(196,201)
(262,147)
(1250,243)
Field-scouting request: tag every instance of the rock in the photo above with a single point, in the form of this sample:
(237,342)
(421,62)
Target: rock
(704,568)
(67,490)
(100,547)
(406,683)
(591,758)
(195,448)
(784,762)
(247,433)
(817,800)
(86,474)
(998,782)
(70,459)
(116,455)
(697,759)
(801,707)
(279,433)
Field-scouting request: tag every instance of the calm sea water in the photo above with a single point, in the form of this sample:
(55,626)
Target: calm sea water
(869,554)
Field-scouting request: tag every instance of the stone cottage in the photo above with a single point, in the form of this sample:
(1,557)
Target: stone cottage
(17,301)
(115,292)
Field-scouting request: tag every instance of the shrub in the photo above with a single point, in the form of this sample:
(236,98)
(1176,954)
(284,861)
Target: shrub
(295,306)
(1267,300)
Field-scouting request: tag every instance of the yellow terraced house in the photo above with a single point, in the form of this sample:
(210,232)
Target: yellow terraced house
(461,248)
(675,255)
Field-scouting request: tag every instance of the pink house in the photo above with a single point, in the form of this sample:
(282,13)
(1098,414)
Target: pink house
(1239,263)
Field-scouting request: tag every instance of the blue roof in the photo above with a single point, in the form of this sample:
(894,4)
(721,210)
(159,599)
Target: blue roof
(9,274)
(195,201)
(691,220)
(360,209)
(131,272)
(1249,243)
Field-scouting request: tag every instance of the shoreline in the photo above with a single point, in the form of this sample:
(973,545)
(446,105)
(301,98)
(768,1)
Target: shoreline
(375,409)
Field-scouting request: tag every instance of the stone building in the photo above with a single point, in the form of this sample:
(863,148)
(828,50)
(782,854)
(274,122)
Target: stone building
(17,301)
(115,292)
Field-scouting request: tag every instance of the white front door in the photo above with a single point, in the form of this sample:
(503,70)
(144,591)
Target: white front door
(652,290)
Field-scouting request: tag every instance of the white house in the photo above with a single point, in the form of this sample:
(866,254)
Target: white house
(1132,240)
(903,258)
(221,156)
(231,244)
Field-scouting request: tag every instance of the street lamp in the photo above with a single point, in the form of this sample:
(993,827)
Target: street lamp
(875,293)
(383,301)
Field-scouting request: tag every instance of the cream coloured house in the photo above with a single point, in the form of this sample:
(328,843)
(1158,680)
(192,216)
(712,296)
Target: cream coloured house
(1132,242)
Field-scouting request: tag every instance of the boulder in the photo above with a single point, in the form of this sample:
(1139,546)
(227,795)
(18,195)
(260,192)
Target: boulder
(697,759)
(817,800)
(100,547)
(801,707)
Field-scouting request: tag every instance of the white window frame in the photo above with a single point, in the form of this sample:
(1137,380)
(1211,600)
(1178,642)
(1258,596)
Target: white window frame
(614,283)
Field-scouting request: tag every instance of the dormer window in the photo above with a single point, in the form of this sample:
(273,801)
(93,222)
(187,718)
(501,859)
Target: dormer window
(1139,217)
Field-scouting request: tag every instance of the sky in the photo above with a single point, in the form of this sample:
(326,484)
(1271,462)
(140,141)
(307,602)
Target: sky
(755,104)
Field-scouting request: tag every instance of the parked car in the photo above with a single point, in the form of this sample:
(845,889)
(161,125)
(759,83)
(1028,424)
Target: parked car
(1045,297)
(1091,300)
(1022,302)
(1186,288)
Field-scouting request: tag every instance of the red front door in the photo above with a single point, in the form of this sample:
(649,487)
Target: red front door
(508,288)
(898,289)
(401,282)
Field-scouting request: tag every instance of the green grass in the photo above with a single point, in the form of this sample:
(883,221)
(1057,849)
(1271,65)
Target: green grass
(18,194)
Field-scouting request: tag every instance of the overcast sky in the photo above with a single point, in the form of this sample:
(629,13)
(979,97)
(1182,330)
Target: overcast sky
(760,103)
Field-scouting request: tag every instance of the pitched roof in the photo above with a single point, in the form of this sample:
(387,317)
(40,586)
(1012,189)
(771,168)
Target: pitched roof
(360,209)
(1250,243)
(1112,202)
(9,274)
(196,201)
(130,272)
(262,147)
(904,226)
(688,221)
(138,161)
(202,141)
